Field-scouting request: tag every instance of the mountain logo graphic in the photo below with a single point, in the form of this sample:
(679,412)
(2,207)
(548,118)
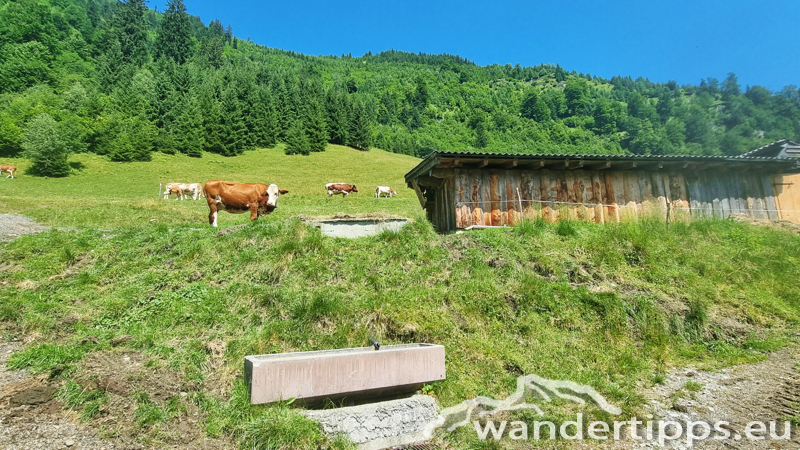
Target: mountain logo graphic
(528,387)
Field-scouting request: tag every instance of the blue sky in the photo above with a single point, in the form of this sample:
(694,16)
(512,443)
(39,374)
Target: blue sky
(666,40)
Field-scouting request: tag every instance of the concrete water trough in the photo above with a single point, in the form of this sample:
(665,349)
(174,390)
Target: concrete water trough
(358,227)
(343,373)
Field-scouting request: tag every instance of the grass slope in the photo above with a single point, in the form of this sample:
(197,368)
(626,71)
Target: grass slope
(611,306)
(107,194)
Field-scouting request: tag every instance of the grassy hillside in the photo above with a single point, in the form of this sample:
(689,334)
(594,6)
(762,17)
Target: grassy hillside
(107,194)
(611,306)
(125,81)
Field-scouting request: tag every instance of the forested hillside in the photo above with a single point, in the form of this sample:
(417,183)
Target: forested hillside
(119,79)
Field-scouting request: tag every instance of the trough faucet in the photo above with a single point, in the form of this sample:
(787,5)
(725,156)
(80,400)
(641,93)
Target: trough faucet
(374,342)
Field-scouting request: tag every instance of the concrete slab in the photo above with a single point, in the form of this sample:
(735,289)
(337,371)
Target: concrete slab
(354,228)
(379,425)
(351,372)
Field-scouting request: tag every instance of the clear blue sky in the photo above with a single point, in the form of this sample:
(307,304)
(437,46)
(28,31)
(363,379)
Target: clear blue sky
(667,40)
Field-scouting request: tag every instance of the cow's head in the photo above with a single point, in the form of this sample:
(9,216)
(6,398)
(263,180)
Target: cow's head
(269,199)
(355,189)
(393,192)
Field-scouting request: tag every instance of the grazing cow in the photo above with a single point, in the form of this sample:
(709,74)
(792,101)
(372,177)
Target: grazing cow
(182,190)
(384,190)
(176,191)
(340,188)
(9,169)
(173,189)
(237,198)
(193,189)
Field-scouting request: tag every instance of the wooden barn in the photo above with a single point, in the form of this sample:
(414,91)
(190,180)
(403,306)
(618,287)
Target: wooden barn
(466,189)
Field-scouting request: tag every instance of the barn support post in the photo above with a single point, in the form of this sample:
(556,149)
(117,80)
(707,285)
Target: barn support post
(521,215)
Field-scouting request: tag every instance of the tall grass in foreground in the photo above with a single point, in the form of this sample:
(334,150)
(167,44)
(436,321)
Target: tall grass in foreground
(611,306)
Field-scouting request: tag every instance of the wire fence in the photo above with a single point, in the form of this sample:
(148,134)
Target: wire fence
(519,209)
(616,205)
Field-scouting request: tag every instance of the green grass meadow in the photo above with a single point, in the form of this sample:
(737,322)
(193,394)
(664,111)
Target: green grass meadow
(613,306)
(105,194)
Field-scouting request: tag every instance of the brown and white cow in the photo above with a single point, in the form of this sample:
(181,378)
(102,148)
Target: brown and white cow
(340,188)
(174,190)
(183,190)
(9,169)
(236,198)
(384,190)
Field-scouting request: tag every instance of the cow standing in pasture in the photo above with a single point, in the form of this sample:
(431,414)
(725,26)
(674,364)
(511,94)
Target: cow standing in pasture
(9,169)
(174,190)
(236,198)
(340,188)
(384,190)
(182,190)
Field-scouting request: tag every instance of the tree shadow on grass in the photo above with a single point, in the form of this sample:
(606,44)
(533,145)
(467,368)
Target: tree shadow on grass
(75,166)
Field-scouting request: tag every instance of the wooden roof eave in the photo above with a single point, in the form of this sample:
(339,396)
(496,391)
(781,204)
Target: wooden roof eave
(592,162)
(423,167)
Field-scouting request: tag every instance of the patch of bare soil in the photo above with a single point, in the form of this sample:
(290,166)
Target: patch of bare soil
(783,225)
(124,374)
(13,226)
(77,265)
(31,418)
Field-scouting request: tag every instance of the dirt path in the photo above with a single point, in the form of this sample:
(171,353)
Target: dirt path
(31,419)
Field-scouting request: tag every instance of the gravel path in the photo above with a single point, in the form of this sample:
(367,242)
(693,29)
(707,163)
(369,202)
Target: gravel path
(13,226)
(766,391)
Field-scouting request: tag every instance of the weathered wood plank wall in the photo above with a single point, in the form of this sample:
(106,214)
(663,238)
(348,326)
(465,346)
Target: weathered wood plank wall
(787,196)
(489,197)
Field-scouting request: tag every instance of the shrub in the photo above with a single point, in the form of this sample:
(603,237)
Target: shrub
(45,148)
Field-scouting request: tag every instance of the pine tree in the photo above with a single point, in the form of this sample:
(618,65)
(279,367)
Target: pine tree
(337,116)
(234,130)
(133,140)
(188,129)
(174,33)
(242,82)
(44,146)
(315,126)
(212,118)
(211,51)
(229,33)
(263,114)
(360,130)
(481,138)
(131,31)
(291,103)
(664,106)
(421,96)
(110,67)
(165,102)
(215,29)
(296,140)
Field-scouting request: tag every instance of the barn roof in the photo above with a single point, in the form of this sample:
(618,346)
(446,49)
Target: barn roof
(478,160)
(780,149)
